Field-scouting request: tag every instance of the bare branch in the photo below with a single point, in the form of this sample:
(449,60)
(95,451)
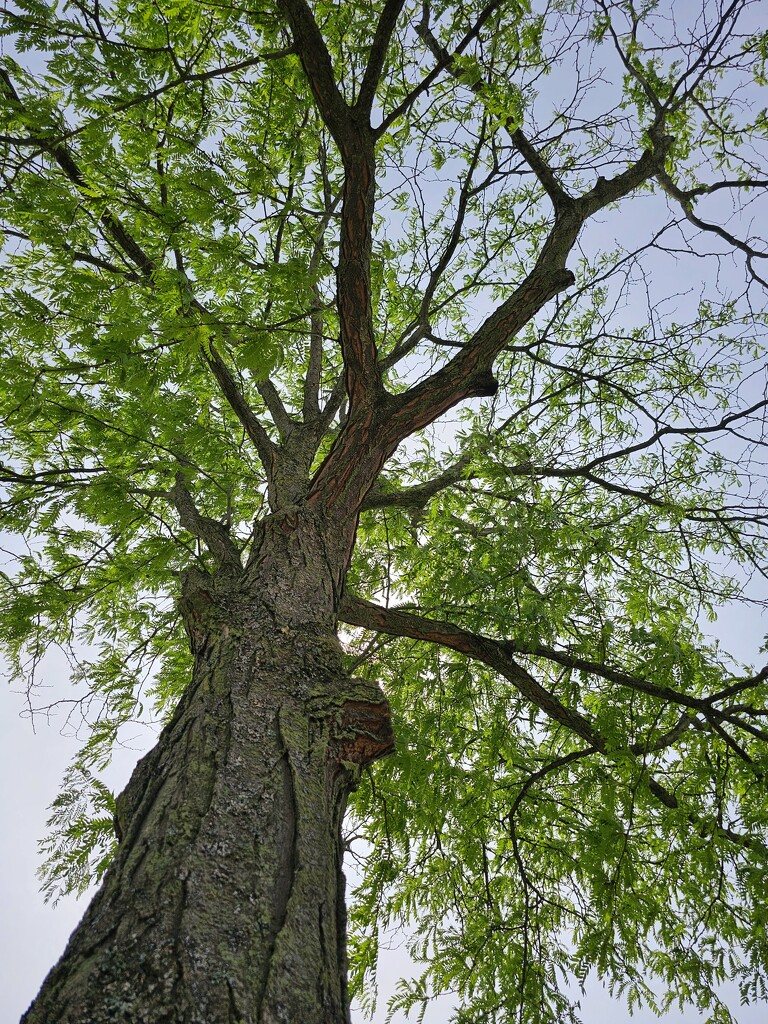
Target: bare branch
(546,176)
(454,239)
(666,431)
(443,62)
(311,387)
(684,199)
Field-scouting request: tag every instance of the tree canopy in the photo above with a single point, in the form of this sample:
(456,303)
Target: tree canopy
(522,239)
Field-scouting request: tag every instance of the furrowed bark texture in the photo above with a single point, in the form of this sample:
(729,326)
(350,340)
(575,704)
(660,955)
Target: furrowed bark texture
(226,899)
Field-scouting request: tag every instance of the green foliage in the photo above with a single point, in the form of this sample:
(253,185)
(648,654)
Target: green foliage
(171,219)
(511,855)
(82,840)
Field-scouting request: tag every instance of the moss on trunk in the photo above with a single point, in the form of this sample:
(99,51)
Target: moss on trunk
(226,899)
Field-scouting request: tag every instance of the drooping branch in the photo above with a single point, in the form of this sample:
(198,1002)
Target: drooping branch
(182,81)
(77,254)
(111,225)
(47,477)
(399,622)
(722,426)
(498,655)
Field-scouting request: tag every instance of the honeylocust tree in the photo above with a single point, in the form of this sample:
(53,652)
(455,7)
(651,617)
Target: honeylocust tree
(388,378)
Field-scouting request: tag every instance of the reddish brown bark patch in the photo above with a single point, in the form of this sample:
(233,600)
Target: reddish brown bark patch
(363,732)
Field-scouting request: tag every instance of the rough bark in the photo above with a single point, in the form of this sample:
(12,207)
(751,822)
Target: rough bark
(226,899)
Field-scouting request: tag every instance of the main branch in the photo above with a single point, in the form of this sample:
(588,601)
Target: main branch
(351,130)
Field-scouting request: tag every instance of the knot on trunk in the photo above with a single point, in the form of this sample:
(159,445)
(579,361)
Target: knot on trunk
(362,732)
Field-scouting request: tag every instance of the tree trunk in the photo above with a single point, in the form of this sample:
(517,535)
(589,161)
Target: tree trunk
(225,902)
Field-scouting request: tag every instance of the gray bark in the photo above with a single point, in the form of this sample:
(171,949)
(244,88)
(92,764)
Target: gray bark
(226,900)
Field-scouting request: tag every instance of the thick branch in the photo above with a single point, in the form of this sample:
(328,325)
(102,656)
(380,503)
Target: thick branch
(405,623)
(316,61)
(373,431)
(214,535)
(274,403)
(467,374)
(355,139)
(353,278)
(610,190)
(358,612)
(333,404)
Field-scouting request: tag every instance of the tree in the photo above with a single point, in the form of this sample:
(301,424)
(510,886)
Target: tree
(254,257)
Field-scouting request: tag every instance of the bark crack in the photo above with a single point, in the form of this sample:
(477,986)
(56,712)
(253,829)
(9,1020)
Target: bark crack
(287,869)
(178,991)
